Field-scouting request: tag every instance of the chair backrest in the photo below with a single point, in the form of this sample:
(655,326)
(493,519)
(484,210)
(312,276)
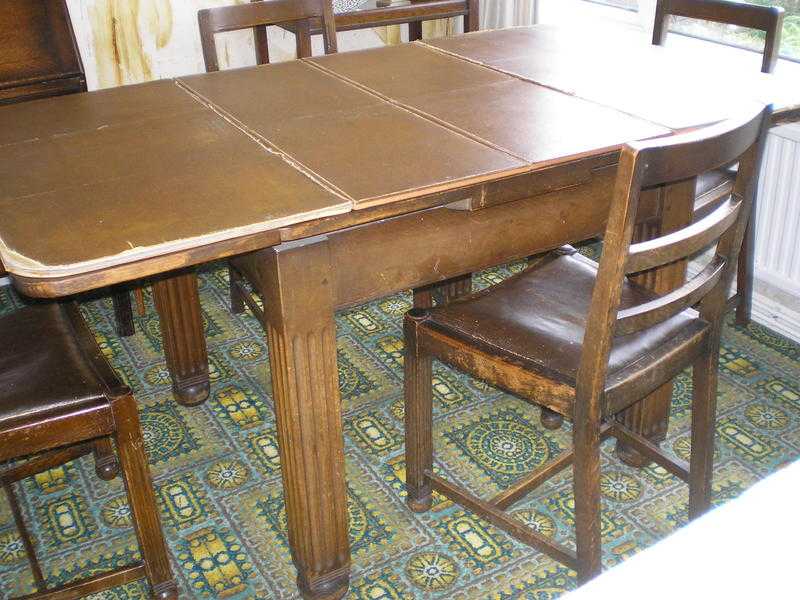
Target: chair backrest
(658,162)
(258,15)
(768,19)
(39,56)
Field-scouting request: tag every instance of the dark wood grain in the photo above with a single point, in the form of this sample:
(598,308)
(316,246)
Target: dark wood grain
(295,282)
(82,410)
(183,335)
(40,56)
(258,15)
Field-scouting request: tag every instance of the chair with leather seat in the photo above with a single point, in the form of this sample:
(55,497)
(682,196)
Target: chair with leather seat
(59,400)
(583,340)
(258,15)
(713,187)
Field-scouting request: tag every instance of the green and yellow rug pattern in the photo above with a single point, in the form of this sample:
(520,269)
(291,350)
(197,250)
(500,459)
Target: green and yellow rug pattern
(217,472)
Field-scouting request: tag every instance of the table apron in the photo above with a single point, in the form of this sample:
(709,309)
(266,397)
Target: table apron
(379,258)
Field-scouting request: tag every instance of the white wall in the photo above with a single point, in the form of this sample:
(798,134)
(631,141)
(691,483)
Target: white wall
(131,41)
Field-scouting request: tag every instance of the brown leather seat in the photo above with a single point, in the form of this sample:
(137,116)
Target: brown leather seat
(538,318)
(42,368)
(60,400)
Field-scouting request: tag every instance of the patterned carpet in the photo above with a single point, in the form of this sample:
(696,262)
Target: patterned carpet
(217,471)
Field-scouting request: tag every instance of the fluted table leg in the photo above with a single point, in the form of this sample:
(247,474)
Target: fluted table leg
(296,280)
(178,305)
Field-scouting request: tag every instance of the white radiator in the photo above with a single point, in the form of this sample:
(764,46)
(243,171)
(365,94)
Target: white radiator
(776,297)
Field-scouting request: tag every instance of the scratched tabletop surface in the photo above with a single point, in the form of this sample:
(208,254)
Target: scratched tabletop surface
(107,178)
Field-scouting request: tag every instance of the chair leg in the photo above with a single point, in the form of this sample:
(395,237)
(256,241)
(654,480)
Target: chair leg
(586,485)
(133,462)
(415,31)
(138,294)
(744,276)
(418,416)
(105,461)
(237,301)
(25,536)
(704,406)
(123,314)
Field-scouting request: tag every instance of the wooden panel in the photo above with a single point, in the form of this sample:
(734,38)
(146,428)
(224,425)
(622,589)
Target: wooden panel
(548,126)
(140,185)
(43,89)
(370,149)
(660,84)
(86,112)
(36,42)
(269,94)
(208,177)
(405,71)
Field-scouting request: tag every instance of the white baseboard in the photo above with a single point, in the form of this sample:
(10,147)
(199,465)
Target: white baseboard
(776,316)
(775,303)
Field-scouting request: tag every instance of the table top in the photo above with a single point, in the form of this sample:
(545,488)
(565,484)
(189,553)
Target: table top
(116,179)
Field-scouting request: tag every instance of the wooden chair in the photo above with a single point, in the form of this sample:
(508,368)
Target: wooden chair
(377,13)
(258,15)
(712,188)
(41,60)
(59,400)
(583,340)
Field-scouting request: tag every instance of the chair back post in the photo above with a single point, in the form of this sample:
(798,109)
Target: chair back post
(472,20)
(768,19)
(647,165)
(713,306)
(328,28)
(258,15)
(590,381)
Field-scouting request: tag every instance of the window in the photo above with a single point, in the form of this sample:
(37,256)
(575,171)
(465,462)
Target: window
(735,36)
(748,38)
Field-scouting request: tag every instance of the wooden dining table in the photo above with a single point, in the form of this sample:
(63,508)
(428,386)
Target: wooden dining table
(335,180)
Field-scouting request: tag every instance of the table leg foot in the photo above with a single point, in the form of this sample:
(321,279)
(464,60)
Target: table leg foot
(551,419)
(331,587)
(178,304)
(191,394)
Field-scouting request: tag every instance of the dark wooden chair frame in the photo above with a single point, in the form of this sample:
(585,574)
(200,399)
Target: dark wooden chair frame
(58,436)
(414,14)
(258,15)
(768,19)
(597,397)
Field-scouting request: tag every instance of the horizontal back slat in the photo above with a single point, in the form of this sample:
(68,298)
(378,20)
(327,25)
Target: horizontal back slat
(687,155)
(270,12)
(660,309)
(684,242)
(257,15)
(742,14)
